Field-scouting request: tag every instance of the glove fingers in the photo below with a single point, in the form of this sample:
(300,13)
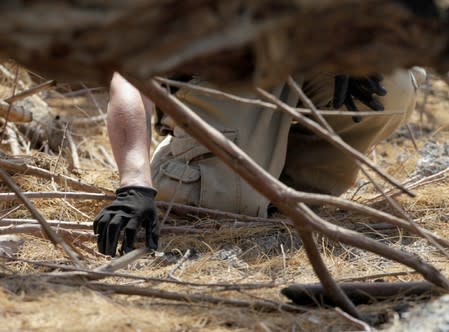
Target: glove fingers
(100,229)
(350,106)
(341,83)
(152,232)
(369,100)
(370,85)
(378,88)
(129,238)
(113,234)
(376,104)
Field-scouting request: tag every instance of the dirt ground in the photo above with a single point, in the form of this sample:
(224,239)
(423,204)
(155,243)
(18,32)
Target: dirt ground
(261,257)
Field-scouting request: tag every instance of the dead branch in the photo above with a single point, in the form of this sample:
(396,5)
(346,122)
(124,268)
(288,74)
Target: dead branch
(75,225)
(34,229)
(46,228)
(31,91)
(378,276)
(24,168)
(358,322)
(193,298)
(59,194)
(352,238)
(72,271)
(308,198)
(219,94)
(176,208)
(359,293)
(320,269)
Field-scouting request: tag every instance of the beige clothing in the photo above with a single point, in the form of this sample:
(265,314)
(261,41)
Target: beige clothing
(185,171)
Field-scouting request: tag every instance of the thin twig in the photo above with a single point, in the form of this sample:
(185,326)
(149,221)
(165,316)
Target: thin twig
(378,276)
(14,87)
(352,238)
(194,298)
(362,324)
(48,231)
(412,137)
(258,102)
(58,194)
(35,229)
(125,260)
(413,185)
(97,275)
(182,209)
(404,215)
(43,173)
(307,102)
(179,264)
(74,157)
(329,284)
(31,91)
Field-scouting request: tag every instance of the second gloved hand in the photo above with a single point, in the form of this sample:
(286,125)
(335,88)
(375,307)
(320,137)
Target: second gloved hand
(134,207)
(363,89)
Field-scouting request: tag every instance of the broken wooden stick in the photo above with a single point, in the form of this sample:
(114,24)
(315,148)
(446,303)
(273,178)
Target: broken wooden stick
(35,229)
(31,91)
(46,228)
(22,167)
(359,292)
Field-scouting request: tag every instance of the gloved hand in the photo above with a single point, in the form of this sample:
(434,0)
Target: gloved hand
(362,88)
(133,207)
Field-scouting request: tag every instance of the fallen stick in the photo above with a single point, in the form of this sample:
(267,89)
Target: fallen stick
(193,298)
(35,229)
(378,276)
(257,102)
(182,209)
(358,292)
(16,225)
(46,228)
(58,194)
(21,167)
(31,91)
(71,271)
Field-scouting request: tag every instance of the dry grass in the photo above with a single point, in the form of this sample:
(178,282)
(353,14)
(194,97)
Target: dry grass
(268,254)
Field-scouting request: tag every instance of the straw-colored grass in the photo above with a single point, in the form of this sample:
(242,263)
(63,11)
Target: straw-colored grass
(254,255)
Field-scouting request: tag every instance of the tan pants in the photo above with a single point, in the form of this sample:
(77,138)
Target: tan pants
(185,171)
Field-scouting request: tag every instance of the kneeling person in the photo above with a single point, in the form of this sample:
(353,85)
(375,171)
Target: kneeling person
(186,172)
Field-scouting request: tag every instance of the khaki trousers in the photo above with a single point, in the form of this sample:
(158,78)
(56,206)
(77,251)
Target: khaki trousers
(186,172)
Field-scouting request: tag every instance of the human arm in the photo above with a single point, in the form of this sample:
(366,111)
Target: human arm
(130,136)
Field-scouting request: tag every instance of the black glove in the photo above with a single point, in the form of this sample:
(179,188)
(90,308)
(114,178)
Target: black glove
(362,88)
(132,208)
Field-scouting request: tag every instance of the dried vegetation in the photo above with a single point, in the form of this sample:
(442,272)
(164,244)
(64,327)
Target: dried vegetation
(203,255)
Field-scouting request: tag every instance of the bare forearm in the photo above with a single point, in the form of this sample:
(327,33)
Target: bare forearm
(128,132)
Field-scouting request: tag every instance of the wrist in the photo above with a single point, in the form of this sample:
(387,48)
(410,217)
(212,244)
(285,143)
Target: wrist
(149,191)
(136,181)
